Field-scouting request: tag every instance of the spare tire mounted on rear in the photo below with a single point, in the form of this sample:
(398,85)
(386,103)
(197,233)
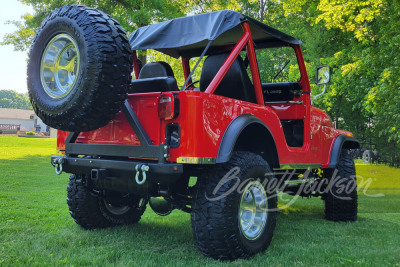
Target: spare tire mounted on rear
(79,69)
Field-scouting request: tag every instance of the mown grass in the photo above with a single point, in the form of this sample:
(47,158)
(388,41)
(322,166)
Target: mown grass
(36,228)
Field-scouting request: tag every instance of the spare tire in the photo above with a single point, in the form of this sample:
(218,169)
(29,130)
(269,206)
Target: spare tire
(79,69)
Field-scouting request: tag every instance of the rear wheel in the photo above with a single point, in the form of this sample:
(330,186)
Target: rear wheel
(91,210)
(79,69)
(340,200)
(234,212)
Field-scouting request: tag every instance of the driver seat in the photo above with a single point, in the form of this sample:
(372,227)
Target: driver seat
(236,84)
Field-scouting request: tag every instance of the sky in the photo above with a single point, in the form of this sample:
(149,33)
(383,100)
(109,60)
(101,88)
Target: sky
(12,63)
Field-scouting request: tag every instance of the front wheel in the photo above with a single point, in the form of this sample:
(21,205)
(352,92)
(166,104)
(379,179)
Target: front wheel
(340,200)
(98,211)
(234,210)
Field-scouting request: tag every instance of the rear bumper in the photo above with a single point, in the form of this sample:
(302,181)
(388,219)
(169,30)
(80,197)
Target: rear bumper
(119,175)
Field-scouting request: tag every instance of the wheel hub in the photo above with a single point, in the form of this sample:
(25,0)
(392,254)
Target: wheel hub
(116,209)
(120,204)
(253,210)
(59,66)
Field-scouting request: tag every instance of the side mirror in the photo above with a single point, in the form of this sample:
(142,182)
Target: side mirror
(323,74)
(323,77)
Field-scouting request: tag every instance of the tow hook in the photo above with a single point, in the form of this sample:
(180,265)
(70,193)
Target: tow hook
(141,168)
(57,163)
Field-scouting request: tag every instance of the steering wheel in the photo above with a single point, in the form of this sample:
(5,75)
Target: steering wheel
(191,84)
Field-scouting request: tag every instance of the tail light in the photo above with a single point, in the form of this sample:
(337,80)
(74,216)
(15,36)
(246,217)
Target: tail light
(168,106)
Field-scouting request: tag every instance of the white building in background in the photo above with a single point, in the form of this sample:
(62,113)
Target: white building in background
(21,120)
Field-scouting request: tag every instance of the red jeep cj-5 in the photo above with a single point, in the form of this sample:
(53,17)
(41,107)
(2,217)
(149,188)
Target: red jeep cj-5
(219,150)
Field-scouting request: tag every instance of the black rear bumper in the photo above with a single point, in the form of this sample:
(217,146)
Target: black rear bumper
(113,169)
(119,175)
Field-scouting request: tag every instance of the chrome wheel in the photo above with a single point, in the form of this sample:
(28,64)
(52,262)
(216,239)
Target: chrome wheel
(59,66)
(253,210)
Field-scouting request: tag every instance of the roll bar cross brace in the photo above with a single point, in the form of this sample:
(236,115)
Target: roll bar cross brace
(245,40)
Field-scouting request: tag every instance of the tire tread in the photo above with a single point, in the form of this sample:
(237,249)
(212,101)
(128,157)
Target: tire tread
(213,223)
(337,208)
(103,89)
(88,210)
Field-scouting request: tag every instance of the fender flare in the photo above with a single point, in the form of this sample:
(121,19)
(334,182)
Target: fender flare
(233,132)
(341,142)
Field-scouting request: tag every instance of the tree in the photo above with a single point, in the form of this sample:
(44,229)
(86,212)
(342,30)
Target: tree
(131,14)
(12,99)
(370,65)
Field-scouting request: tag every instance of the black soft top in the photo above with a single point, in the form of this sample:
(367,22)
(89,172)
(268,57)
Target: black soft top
(188,36)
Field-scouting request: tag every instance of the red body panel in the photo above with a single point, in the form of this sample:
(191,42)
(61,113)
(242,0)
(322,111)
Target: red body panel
(204,117)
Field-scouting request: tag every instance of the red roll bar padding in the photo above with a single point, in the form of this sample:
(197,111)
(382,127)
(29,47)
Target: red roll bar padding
(135,64)
(186,70)
(253,65)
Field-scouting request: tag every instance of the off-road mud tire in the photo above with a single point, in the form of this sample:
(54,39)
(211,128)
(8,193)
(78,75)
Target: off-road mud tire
(340,200)
(104,72)
(89,209)
(215,223)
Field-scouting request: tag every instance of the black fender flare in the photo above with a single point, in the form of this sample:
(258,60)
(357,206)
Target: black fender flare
(232,134)
(341,142)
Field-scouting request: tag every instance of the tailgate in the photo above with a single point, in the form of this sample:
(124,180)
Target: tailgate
(118,131)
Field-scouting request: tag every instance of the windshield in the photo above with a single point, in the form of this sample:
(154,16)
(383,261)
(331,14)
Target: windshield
(278,65)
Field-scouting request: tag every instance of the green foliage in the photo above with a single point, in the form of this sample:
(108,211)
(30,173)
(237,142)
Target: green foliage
(361,42)
(278,65)
(12,99)
(22,37)
(351,16)
(368,68)
(30,133)
(130,13)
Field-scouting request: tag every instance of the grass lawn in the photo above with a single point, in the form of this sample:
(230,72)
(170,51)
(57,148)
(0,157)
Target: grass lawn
(36,228)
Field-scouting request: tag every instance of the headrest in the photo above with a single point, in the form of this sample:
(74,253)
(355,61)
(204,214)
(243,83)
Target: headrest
(156,69)
(236,84)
